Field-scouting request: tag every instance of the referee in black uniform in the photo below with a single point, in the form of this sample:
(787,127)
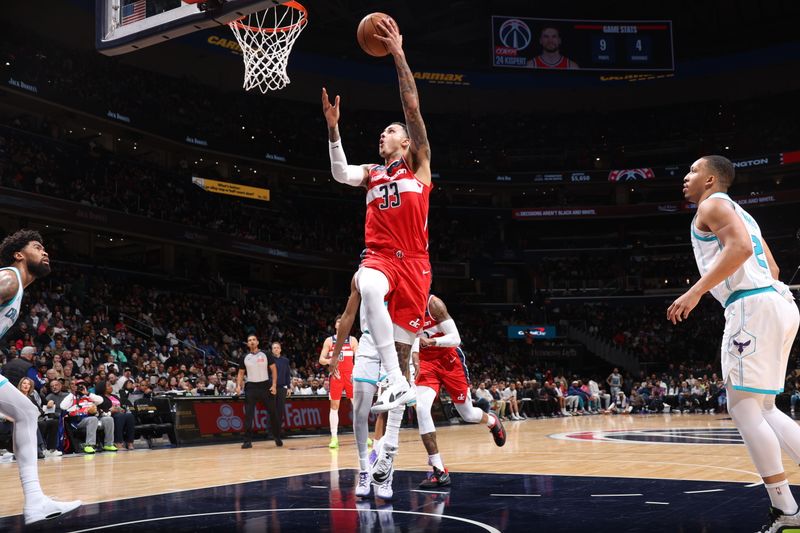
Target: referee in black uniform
(284,380)
(261,380)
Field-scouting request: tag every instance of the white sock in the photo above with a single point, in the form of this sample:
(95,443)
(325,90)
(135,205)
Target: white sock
(393,421)
(334,420)
(492,420)
(780,495)
(436,460)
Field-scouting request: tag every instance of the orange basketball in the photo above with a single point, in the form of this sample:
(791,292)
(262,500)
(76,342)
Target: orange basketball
(367,29)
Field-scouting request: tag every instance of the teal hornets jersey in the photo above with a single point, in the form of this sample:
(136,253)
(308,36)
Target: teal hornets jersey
(753,274)
(9,312)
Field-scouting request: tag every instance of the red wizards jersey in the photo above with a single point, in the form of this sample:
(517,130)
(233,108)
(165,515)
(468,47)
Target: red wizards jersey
(397,209)
(345,357)
(432,330)
(538,62)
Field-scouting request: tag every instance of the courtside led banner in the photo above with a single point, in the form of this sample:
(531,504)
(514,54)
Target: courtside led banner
(531,332)
(233,189)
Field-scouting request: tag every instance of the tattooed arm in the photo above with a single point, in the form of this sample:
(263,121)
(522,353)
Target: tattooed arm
(420,150)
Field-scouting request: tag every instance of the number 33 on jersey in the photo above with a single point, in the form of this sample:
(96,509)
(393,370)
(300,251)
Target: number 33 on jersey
(397,209)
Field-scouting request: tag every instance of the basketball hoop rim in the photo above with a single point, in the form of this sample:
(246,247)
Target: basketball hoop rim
(293,4)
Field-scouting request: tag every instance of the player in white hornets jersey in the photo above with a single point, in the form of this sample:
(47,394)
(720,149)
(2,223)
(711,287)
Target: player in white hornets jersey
(27,261)
(761,321)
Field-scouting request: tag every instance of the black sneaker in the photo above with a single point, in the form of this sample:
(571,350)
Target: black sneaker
(278,442)
(437,478)
(498,431)
(247,445)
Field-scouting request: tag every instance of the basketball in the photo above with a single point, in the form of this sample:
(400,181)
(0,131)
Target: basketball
(367,29)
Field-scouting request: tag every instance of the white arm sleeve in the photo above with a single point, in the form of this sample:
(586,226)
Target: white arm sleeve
(352,175)
(451,338)
(415,346)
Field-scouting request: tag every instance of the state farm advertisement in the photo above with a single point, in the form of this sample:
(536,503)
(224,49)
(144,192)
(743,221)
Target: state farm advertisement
(228,416)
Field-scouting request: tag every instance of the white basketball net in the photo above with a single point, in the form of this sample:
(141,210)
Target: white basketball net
(266,39)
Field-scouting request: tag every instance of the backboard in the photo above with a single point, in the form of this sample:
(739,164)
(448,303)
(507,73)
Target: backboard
(123,26)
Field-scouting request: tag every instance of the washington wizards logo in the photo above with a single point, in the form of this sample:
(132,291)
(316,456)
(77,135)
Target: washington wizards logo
(710,435)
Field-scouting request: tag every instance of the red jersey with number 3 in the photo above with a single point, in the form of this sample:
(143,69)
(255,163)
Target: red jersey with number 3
(397,209)
(346,356)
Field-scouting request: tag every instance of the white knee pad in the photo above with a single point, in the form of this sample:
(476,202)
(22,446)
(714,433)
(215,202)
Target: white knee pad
(425,398)
(470,413)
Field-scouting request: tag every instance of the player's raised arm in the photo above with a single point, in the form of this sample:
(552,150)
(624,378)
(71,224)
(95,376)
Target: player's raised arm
(419,150)
(353,175)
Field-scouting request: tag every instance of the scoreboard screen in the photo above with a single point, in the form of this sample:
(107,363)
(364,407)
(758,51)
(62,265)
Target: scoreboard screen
(607,45)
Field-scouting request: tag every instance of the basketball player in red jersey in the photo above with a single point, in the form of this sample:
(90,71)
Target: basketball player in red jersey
(396,237)
(442,363)
(551,56)
(341,379)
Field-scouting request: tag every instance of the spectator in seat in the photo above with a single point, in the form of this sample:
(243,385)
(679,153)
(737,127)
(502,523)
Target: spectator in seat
(601,394)
(671,395)
(637,401)
(592,401)
(124,421)
(483,398)
(57,395)
(510,397)
(576,398)
(498,404)
(81,407)
(127,396)
(551,405)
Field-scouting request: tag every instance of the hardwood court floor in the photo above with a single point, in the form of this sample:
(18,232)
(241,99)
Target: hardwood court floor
(464,448)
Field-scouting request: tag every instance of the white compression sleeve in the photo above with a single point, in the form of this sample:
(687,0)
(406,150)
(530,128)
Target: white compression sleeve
(470,413)
(746,410)
(362,400)
(352,175)
(425,398)
(373,286)
(451,338)
(14,404)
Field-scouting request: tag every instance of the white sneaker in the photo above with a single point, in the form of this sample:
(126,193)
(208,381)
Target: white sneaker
(52,453)
(48,509)
(7,457)
(395,394)
(362,487)
(384,490)
(382,468)
(778,521)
